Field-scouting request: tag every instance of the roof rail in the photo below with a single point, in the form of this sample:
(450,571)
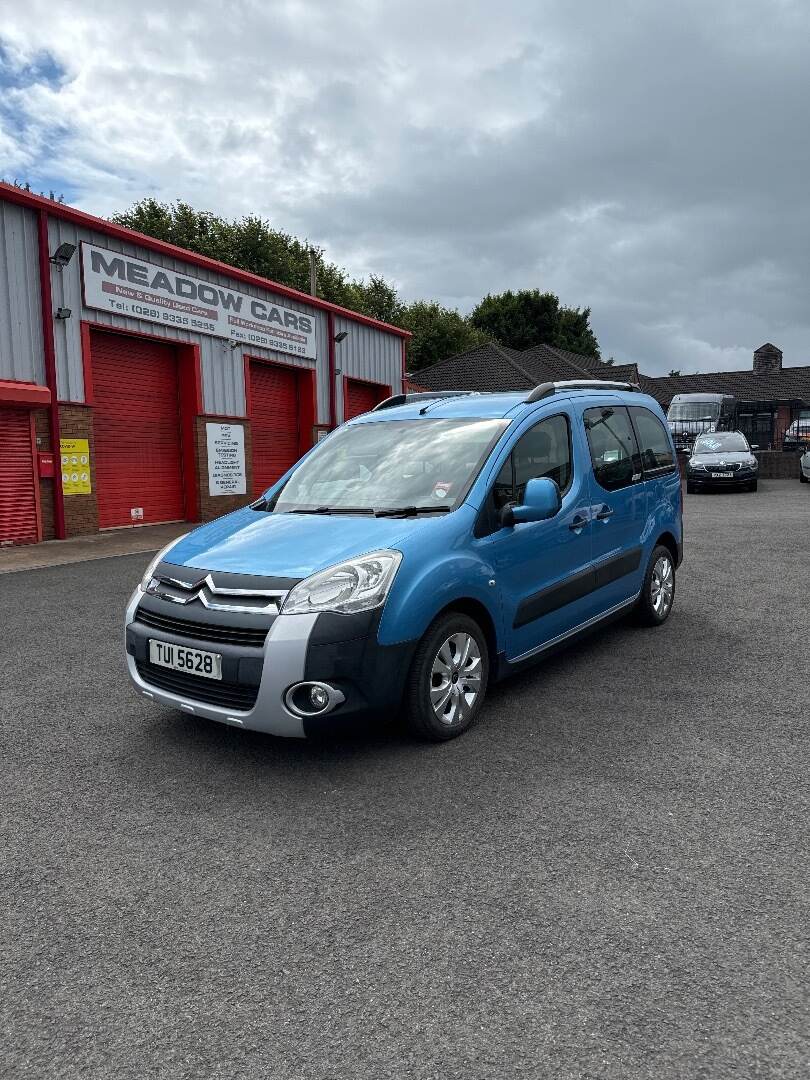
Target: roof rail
(423,395)
(546,389)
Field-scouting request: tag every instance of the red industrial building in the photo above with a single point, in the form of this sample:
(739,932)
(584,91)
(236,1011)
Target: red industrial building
(141,383)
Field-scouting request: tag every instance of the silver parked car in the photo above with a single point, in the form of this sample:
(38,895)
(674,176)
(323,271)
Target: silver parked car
(804,467)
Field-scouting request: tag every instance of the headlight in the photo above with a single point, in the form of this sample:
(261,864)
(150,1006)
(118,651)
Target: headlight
(695,464)
(147,577)
(754,463)
(356,585)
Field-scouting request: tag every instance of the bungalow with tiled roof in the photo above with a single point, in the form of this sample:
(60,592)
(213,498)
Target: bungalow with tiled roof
(769,396)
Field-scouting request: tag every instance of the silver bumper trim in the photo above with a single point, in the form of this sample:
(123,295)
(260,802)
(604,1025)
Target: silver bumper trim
(288,638)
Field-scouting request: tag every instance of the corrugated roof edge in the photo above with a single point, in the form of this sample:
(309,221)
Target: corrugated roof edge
(79,217)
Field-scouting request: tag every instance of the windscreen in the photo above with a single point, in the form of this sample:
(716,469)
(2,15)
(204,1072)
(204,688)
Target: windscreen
(729,442)
(693,410)
(385,465)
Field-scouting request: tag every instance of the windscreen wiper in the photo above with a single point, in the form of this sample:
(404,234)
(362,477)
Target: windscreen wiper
(410,511)
(330,510)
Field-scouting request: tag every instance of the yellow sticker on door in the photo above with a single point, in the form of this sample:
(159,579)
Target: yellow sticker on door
(75,466)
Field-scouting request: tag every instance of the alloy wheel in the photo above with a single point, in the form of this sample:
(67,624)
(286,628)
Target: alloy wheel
(662,586)
(455,680)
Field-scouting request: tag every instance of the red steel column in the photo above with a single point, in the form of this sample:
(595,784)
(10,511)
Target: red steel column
(330,330)
(46,301)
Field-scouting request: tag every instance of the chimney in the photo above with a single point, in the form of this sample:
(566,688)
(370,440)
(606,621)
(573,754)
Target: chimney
(767,360)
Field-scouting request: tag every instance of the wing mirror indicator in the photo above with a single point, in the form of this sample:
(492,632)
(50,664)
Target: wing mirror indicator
(542,500)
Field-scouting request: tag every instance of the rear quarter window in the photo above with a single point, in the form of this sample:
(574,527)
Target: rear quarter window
(654,443)
(613,447)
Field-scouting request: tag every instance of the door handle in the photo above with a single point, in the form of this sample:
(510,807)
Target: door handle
(604,513)
(579,522)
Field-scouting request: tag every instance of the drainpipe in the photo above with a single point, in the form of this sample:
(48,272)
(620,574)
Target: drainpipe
(46,302)
(330,333)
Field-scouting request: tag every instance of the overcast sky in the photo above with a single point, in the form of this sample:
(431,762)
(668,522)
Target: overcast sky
(651,160)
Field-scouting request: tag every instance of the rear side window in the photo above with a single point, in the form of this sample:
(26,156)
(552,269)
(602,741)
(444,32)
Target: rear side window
(614,451)
(656,451)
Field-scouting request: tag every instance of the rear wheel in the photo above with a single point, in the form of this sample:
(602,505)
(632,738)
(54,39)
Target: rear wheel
(658,590)
(448,678)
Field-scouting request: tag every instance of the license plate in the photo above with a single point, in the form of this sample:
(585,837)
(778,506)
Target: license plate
(192,661)
(720,475)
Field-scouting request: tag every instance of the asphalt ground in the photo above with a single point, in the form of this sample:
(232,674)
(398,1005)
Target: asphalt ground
(608,877)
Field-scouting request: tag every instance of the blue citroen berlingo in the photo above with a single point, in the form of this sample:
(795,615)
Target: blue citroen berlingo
(419,552)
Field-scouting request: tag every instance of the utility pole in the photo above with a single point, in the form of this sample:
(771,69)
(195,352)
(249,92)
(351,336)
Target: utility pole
(313,273)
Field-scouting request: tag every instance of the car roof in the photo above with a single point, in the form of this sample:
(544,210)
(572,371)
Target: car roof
(701,395)
(490,406)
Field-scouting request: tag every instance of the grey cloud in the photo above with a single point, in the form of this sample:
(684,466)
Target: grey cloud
(648,160)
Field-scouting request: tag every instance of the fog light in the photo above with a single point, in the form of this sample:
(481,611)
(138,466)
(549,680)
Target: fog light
(312,698)
(318,698)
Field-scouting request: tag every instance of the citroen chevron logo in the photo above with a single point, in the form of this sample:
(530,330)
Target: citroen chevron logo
(205,591)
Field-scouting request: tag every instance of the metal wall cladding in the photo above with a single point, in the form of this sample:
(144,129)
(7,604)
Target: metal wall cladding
(367,353)
(222,366)
(21,351)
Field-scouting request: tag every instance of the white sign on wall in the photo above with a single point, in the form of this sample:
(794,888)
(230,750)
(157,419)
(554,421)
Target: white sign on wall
(143,290)
(226,459)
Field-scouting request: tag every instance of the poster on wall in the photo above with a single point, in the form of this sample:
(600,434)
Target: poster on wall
(123,285)
(226,459)
(75,466)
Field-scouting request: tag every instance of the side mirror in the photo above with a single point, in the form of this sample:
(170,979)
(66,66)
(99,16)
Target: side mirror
(541,500)
(754,446)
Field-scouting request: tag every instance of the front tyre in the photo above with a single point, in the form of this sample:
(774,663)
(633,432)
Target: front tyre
(448,678)
(658,590)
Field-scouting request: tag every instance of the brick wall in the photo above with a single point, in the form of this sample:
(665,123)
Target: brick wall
(81,511)
(777,464)
(212,506)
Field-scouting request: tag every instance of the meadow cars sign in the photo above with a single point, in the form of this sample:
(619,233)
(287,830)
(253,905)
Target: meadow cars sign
(143,290)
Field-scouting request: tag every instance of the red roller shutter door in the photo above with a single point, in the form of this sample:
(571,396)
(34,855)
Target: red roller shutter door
(274,423)
(136,425)
(18,501)
(362,397)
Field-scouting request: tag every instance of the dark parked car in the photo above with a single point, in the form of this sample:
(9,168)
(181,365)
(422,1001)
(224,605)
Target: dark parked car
(721,459)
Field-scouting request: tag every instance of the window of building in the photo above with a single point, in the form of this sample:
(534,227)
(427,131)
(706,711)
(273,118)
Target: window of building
(614,451)
(656,451)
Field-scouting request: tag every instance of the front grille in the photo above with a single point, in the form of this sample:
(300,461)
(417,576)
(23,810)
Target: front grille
(250,636)
(211,692)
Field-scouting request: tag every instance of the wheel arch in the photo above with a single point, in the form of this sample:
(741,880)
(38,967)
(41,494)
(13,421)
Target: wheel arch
(668,540)
(478,611)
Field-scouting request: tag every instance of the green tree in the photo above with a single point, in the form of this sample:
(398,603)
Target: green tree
(528,317)
(674,372)
(438,332)
(574,332)
(251,244)
(376,298)
(519,319)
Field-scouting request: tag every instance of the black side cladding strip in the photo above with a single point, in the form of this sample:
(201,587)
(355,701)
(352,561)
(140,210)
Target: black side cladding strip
(575,587)
(555,597)
(618,567)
